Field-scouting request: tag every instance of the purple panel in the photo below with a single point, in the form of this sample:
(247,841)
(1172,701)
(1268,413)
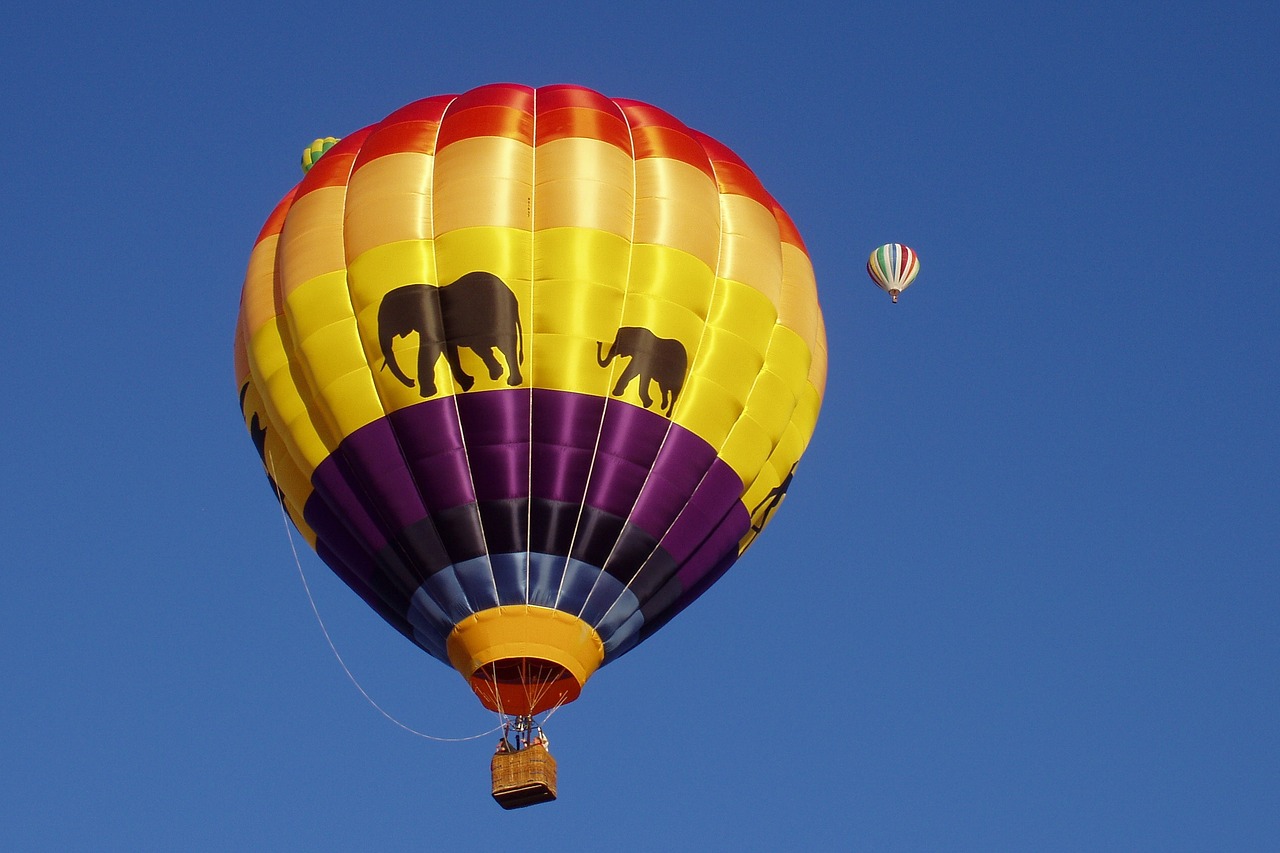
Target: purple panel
(499,471)
(495,417)
(632,433)
(371,460)
(560,473)
(629,442)
(721,544)
(686,472)
(570,420)
(615,484)
(495,426)
(565,427)
(718,493)
(333,490)
(431,440)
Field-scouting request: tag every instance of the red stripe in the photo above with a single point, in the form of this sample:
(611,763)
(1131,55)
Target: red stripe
(574,122)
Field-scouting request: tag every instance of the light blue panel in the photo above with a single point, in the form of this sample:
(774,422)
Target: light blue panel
(510,571)
(431,627)
(601,601)
(476,577)
(444,589)
(624,637)
(546,572)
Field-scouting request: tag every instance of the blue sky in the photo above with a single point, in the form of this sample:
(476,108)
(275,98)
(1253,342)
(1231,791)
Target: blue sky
(1040,503)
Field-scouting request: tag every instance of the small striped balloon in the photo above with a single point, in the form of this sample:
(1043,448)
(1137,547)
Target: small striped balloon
(893,267)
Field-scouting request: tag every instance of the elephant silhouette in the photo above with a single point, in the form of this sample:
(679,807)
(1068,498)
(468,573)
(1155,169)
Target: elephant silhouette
(652,359)
(478,311)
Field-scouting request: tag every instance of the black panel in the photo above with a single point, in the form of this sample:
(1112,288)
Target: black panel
(505,525)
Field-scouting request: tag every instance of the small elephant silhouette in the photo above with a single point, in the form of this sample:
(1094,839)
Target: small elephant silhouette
(478,311)
(771,500)
(257,432)
(653,359)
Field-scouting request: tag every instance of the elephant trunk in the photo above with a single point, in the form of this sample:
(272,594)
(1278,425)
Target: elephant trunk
(601,357)
(386,340)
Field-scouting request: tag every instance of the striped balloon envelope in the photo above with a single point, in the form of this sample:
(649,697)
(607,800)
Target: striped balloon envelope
(893,267)
(529,369)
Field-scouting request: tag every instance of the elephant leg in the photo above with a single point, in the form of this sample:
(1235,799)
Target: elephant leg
(428,355)
(490,361)
(464,379)
(629,373)
(509,350)
(644,391)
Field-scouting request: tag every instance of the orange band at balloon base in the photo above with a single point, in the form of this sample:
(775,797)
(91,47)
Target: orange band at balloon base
(525,659)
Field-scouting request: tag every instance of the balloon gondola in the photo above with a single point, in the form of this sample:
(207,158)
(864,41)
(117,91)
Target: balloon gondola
(530,369)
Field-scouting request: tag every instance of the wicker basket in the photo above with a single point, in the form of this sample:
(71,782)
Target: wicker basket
(524,777)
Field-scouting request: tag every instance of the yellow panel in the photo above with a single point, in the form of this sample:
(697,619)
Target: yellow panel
(505,252)
(798,309)
(577,308)
(335,359)
(771,403)
(745,311)
(282,399)
(311,241)
(746,450)
(389,200)
(570,363)
(677,205)
(383,268)
(805,416)
(318,303)
(583,183)
(705,407)
(729,360)
(484,180)
(750,250)
(350,401)
(581,255)
(672,275)
(788,357)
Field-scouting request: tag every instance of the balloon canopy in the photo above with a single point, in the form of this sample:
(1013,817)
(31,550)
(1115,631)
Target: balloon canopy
(893,267)
(529,369)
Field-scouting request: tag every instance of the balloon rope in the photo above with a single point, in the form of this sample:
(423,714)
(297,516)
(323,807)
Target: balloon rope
(324,630)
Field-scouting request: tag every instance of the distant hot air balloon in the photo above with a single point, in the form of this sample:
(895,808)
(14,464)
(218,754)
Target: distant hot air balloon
(893,267)
(529,369)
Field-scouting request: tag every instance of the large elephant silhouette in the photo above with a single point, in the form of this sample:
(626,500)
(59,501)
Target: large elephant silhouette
(653,359)
(478,311)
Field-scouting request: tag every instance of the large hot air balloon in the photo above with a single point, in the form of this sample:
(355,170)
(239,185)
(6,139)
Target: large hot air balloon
(529,369)
(893,267)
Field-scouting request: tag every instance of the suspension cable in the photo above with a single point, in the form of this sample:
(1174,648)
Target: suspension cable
(288,529)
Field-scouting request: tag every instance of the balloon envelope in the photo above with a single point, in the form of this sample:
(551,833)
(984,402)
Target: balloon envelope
(893,267)
(529,369)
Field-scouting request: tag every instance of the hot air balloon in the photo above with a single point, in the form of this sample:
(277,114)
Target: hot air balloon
(529,368)
(893,267)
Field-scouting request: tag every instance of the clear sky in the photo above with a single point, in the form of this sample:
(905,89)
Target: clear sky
(1023,594)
